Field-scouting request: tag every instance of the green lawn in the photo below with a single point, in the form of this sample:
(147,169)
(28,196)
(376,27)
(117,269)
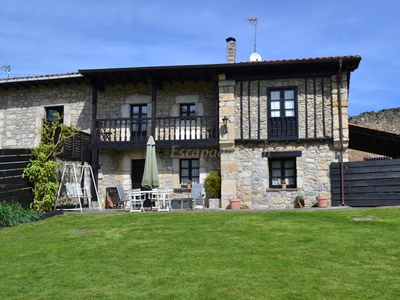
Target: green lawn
(296,254)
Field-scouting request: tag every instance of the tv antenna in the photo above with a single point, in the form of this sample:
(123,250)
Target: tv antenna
(7,68)
(254,21)
(254,56)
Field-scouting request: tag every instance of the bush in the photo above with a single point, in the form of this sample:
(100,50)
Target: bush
(212,185)
(12,214)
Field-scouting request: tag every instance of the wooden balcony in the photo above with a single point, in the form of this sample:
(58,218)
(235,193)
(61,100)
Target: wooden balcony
(282,128)
(128,133)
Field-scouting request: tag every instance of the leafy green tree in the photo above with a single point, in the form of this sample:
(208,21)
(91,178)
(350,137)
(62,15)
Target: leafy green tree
(42,165)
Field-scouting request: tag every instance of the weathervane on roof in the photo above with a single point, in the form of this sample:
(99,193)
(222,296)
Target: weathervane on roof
(254,21)
(7,68)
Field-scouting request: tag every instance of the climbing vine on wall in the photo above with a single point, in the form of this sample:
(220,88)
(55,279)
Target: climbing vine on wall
(42,165)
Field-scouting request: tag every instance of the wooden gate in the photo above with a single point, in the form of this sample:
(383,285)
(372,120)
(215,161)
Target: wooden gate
(367,183)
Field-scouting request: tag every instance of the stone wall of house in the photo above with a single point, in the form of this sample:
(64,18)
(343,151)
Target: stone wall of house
(314,107)
(22,111)
(116,101)
(252,174)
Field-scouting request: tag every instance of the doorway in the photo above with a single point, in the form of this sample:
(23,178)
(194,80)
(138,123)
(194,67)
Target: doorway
(137,173)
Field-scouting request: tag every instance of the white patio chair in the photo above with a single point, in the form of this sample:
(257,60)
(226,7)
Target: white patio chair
(164,199)
(136,199)
(198,195)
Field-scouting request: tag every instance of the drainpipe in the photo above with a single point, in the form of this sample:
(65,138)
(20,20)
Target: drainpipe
(339,88)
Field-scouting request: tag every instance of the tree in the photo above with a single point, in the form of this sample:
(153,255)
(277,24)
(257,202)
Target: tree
(42,165)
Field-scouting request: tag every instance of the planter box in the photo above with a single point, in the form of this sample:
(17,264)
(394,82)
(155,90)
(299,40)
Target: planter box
(214,203)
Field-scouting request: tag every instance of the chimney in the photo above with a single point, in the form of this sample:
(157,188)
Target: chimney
(230,50)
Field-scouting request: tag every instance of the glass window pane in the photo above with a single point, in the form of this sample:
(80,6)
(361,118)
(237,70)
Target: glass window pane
(276,173)
(192,110)
(275,105)
(184,163)
(195,163)
(185,172)
(289,113)
(275,114)
(275,95)
(289,104)
(276,164)
(289,164)
(276,181)
(289,94)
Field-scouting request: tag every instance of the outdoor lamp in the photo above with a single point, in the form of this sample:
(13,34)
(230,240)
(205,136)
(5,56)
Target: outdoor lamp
(225,122)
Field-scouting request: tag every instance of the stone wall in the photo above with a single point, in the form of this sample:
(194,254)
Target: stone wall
(116,101)
(22,111)
(252,174)
(315,106)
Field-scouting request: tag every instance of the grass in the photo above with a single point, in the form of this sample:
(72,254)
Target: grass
(293,254)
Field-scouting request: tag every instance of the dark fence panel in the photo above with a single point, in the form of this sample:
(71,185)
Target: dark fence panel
(367,183)
(12,186)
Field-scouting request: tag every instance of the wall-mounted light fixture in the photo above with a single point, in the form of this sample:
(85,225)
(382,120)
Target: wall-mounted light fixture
(225,122)
(161,154)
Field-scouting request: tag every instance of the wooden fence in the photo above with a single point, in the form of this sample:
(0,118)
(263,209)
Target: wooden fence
(12,185)
(13,161)
(367,183)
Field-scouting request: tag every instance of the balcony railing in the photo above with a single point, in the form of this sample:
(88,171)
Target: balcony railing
(282,128)
(165,129)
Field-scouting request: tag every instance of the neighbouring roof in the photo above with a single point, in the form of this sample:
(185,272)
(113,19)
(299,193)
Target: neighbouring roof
(370,140)
(266,69)
(27,81)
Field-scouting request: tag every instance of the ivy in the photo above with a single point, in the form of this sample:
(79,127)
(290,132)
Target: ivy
(42,165)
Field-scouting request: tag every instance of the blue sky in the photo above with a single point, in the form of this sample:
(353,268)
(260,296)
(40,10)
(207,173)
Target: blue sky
(49,37)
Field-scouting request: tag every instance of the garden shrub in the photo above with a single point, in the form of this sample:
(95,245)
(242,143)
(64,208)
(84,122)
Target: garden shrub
(12,214)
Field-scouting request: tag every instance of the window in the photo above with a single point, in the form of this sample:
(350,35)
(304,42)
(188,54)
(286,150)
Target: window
(282,169)
(282,119)
(139,122)
(189,169)
(188,110)
(51,110)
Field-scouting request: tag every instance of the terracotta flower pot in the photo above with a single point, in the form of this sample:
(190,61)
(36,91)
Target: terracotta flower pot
(322,201)
(234,203)
(283,185)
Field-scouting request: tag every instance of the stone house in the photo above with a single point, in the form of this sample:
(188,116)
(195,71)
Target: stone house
(285,120)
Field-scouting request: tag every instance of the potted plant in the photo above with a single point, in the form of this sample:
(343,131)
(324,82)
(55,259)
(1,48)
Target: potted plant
(189,184)
(299,202)
(212,186)
(283,183)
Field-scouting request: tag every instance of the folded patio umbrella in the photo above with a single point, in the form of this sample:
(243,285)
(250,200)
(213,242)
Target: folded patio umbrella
(150,174)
